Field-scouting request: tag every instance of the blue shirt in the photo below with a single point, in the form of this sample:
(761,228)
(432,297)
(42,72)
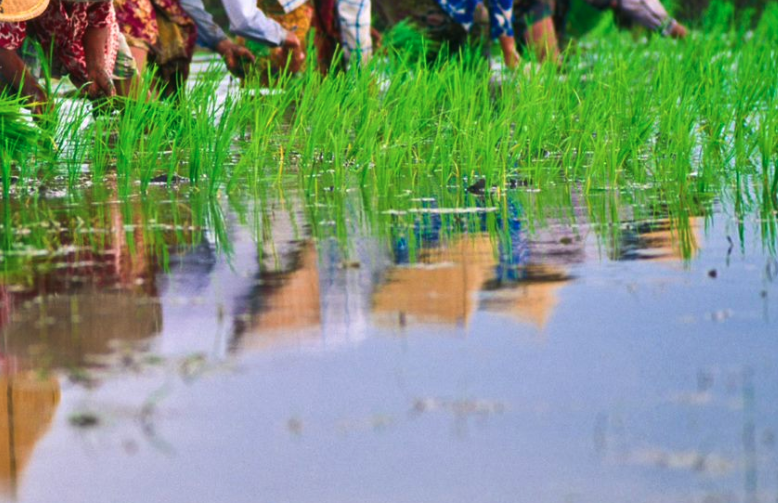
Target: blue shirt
(500,14)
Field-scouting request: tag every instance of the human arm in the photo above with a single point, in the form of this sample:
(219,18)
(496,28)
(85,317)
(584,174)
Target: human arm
(209,34)
(13,71)
(248,21)
(652,15)
(99,83)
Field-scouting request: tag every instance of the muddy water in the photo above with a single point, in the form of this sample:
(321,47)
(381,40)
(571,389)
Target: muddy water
(284,349)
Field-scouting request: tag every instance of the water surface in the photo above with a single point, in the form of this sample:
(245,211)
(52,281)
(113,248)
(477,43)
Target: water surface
(527,346)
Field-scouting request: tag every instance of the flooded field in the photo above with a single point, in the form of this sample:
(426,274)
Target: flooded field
(408,284)
(533,346)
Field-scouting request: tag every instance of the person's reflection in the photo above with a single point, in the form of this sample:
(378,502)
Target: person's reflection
(250,295)
(28,402)
(484,261)
(284,306)
(440,288)
(85,298)
(663,240)
(311,291)
(532,267)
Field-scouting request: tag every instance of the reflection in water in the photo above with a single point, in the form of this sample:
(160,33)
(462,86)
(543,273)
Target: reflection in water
(220,280)
(663,240)
(276,277)
(87,295)
(310,290)
(497,266)
(533,299)
(284,307)
(440,287)
(322,291)
(27,405)
(71,331)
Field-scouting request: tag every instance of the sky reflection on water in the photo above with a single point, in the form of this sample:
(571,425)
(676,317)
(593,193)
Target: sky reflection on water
(288,350)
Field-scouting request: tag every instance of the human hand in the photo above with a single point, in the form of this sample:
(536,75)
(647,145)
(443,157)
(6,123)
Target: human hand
(40,105)
(235,56)
(678,31)
(293,53)
(99,84)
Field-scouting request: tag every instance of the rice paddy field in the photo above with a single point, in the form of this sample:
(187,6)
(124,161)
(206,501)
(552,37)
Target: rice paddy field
(411,283)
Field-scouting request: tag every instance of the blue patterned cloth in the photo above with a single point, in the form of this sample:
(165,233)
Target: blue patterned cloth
(500,14)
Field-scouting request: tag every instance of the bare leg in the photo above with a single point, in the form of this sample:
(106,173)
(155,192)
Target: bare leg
(511,56)
(541,38)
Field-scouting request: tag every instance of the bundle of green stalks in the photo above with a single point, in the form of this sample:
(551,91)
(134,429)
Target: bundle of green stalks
(16,132)
(407,42)
(18,137)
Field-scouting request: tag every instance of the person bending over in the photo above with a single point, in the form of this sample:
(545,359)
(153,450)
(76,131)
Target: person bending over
(247,21)
(650,14)
(343,25)
(84,39)
(451,21)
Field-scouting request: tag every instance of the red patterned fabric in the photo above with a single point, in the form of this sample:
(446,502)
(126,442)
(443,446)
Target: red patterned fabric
(327,32)
(138,20)
(166,31)
(62,26)
(327,17)
(12,35)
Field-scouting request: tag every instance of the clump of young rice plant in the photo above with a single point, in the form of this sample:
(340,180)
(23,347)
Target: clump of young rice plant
(19,141)
(621,112)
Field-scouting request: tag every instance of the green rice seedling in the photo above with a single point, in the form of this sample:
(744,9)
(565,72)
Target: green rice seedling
(623,115)
(18,139)
(265,133)
(142,136)
(719,17)
(209,127)
(6,165)
(408,45)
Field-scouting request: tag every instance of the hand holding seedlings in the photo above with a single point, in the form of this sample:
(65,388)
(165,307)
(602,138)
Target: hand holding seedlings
(99,84)
(14,72)
(235,56)
(293,52)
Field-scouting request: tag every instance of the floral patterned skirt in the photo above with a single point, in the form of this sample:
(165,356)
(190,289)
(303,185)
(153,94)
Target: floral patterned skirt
(164,29)
(298,21)
(62,27)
